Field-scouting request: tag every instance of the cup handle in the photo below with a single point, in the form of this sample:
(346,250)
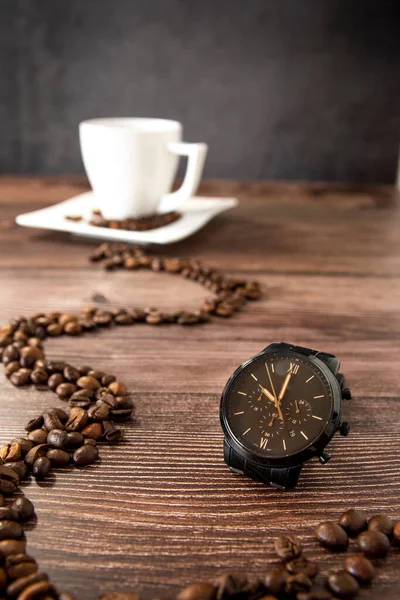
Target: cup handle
(196,154)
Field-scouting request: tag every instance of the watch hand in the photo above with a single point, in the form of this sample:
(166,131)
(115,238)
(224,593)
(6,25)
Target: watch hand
(284,386)
(273,399)
(270,380)
(259,397)
(271,421)
(297,407)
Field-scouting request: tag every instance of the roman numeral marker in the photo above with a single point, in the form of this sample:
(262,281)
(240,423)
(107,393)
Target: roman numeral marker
(293,368)
(309,379)
(263,443)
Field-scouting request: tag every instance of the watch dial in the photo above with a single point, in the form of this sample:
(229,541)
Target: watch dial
(278,404)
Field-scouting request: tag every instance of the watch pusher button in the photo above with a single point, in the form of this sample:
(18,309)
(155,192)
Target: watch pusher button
(344,428)
(346,394)
(324,457)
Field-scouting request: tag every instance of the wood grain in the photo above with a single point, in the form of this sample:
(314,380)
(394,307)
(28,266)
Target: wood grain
(161,509)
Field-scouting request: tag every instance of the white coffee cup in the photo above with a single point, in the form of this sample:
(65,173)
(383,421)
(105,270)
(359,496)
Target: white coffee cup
(131,165)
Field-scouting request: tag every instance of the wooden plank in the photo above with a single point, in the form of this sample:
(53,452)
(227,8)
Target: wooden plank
(161,509)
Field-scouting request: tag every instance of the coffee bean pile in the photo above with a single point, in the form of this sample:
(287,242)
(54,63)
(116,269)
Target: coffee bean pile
(140,224)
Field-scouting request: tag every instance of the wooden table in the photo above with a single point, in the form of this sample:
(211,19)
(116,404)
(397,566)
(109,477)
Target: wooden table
(162,510)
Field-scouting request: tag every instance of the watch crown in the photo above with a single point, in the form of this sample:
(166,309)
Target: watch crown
(324,457)
(346,394)
(344,428)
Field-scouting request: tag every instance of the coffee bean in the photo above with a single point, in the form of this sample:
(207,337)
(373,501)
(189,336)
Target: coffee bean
(19,467)
(52,421)
(93,431)
(35,453)
(107,379)
(8,480)
(396,534)
(24,443)
(297,583)
(117,596)
(111,434)
(16,587)
(288,547)
(73,328)
(275,580)
(10,530)
(71,374)
(381,523)
(102,318)
(7,513)
(86,455)
(58,438)
(77,420)
(343,585)
(54,330)
(66,318)
(96,374)
(11,368)
(58,458)
(374,544)
(117,389)
(10,354)
(122,414)
(124,319)
(10,546)
(68,596)
(20,565)
(10,452)
(90,442)
(353,522)
(65,390)
(38,436)
(20,378)
(75,439)
(108,399)
(187,318)
(89,383)
(24,507)
(100,412)
(36,590)
(39,376)
(41,467)
(2,500)
(302,565)
(54,381)
(35,423)
(360,567)
(198,591)
(3,578)
(332,536)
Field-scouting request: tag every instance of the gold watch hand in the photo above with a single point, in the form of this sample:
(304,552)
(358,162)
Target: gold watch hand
(259,397)
(271,421)
(268,394)
(284,386)
(297,407)
(270,380)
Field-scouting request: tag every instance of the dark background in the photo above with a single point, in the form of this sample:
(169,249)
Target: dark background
(304,89)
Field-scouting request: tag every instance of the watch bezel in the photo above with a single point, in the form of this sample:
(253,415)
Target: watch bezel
(315,447)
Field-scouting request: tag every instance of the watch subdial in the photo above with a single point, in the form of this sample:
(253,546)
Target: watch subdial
(270,424)
(256,401)
(298,412)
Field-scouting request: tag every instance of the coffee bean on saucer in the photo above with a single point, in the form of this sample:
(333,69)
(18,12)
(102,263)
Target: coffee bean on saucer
(332,536)
(353,522)
(343,585)
(374,544)
(360,567)
(288,547)
(381,523)
(85,455)
(302,565)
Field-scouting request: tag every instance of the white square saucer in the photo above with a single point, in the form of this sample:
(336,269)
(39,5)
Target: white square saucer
(196,213)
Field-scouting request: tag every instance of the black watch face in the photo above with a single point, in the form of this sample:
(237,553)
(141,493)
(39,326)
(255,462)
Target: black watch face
(278,404)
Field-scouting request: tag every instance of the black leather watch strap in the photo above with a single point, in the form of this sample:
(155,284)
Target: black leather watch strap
(282,478)
(329,359)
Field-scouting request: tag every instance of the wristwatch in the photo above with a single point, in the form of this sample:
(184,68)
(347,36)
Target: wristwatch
(279,409)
